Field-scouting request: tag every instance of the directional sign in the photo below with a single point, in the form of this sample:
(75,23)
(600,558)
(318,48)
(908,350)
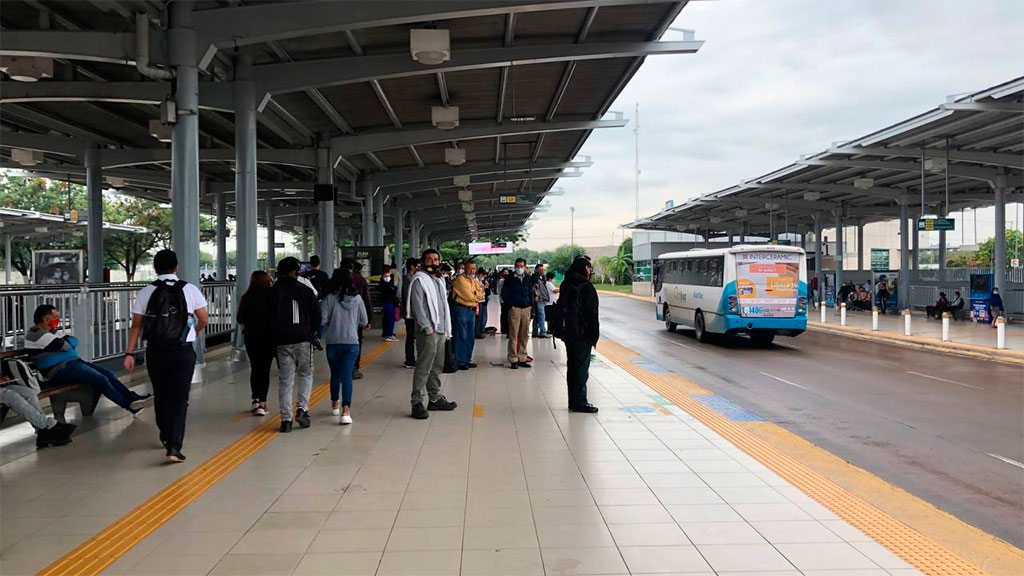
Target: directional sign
(516,199)
(929,224)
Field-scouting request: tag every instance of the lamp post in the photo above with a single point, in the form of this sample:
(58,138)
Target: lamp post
(572,227)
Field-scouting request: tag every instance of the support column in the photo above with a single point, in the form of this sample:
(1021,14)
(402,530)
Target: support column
(942,244)
(860,247)
(305,239)
(94,226)
(325,212)
(366,189)
(222,236)
(271,237)
(903,283)
(245,174)
(819,274)
(414,237)
(399,239)
(839,253)
(999,256)
(378,218)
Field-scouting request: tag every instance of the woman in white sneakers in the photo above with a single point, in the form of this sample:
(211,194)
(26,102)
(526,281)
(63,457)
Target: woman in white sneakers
(343,313)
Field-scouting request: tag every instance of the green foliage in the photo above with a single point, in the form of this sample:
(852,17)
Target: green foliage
(1014,245)
(128,249)
(48,197)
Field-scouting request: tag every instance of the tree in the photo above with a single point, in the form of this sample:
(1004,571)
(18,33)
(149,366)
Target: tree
(40,195)
(620,267)
(1014,248)
(560,258)
(454,251)
(129,249)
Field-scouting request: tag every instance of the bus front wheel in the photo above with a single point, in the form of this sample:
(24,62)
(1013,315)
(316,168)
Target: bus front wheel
(669,324)
(699,328)
(762,339)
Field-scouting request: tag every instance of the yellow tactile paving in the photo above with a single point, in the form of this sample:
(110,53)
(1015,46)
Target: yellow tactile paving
(904,541)
(103,549)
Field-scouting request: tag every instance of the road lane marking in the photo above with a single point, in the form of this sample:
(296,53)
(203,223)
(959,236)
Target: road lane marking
(944,380)
(671,341)
(1007,460)
(783,380)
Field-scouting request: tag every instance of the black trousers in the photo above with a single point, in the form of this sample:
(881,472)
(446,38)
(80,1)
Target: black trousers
(577,371)
(261,353)
(504,318)
(170,371)
(410,341)
(359,356)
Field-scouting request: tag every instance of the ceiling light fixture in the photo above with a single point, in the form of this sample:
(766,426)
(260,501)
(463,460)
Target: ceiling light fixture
(455,156)
(26,68)
(26,157)
(430,47)
(445,117)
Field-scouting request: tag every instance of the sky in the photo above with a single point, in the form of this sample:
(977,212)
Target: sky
(775,80)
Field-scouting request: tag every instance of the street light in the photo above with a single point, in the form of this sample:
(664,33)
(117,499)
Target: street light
(572,227)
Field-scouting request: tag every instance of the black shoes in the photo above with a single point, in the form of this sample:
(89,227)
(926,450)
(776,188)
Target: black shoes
(286,426)
(478,337)
(302,418)
(463,367)
(442,404)
(514,366)
(56,436)
(524,365)
(467,366)
(585,409)
(357,375)
(410,366)
(175,456)
(419,412)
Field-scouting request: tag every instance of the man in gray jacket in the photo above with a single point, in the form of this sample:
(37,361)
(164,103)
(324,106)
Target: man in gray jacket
(428,305)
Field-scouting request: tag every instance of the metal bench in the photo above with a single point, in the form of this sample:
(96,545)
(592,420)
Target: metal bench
(59,394)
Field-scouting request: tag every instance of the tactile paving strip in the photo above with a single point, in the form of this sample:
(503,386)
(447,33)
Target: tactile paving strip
(902,540)
(103,549)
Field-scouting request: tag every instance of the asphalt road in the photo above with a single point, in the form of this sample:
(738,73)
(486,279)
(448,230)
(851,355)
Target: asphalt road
(932,424)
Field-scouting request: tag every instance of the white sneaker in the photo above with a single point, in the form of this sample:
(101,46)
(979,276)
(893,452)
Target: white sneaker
(335,408)
(345,419)
(261,411)
(391,339)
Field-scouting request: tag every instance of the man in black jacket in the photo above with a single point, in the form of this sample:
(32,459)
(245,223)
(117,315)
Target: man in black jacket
(578,297)
(294,320)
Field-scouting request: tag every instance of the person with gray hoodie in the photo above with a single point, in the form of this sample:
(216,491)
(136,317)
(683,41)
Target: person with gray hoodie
(343,313)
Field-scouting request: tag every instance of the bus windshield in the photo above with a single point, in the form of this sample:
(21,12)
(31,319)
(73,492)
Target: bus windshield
(767,283)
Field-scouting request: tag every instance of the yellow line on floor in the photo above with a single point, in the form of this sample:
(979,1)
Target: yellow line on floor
(103,549)
(906,541)
(478,411)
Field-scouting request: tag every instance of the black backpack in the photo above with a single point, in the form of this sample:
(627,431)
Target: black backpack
(166,320)
(290,322)
(563,317)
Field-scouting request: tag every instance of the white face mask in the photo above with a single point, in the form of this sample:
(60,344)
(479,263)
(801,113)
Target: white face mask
(520,271)
(387,278)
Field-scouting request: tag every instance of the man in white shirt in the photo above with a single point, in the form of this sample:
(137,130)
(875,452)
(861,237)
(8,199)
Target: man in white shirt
(169,333)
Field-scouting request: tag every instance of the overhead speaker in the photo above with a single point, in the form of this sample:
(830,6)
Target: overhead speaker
(324,192)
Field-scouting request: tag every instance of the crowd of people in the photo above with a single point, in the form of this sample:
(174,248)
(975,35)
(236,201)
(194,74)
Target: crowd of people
(292,316)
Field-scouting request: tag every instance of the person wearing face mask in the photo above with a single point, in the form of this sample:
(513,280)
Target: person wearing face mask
(388,294)
(995,306)
(578,298)
(57,360)
(517,294)
(429,308)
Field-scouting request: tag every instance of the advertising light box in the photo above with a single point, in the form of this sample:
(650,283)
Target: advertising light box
(481,248)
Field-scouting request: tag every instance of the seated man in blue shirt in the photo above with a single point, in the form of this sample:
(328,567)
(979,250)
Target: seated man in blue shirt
(57,359)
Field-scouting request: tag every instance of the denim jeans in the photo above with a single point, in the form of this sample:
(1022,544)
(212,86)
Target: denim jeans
(465,335)
(342,360)
(97,377)
(540,326)
(387,320)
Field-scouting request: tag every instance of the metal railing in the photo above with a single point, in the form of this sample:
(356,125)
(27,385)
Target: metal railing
(99,315)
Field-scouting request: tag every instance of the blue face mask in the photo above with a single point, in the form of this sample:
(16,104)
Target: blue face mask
(520,271)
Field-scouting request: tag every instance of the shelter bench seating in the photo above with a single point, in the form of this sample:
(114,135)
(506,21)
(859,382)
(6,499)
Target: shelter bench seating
(59,394)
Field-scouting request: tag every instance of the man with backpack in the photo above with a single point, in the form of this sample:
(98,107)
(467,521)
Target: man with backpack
(168,314)
(575,320)
(317,277)
(294,320)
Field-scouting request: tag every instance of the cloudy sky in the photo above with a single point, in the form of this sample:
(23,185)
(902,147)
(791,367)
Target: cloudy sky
(773,81)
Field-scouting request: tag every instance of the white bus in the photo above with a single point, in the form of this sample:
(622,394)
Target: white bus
(760,290)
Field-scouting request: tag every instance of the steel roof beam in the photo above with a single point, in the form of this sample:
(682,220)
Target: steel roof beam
(986,158)
(431,185)
(370,142)
(874,191)
(212,95)
(43,143)
(274,79)
(305,158)
(1010,107)
(110,47)
(985,175)
(396,177)
(58,171)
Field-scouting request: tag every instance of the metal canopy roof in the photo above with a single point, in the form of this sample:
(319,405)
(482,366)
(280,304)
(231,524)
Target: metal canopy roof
(531,78)
(864,180)
(32,224)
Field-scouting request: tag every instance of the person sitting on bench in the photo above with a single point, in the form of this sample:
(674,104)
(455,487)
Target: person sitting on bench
(940,307)
(956,307)
(57,359)
(25,401)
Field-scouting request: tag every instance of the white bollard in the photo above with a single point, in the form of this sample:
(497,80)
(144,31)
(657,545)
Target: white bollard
(824,310)
(945,326)
(842,314)
(906,322)
(874,318)
(1001,333)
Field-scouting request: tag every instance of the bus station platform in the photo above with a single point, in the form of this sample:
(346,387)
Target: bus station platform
(664,480)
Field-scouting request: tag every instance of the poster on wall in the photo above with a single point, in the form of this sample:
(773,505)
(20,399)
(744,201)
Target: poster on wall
(372,259)
(767,283)
(481,248)
(58,267)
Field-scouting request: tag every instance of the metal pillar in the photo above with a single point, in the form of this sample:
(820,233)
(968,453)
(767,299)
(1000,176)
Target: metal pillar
(903,283)
(271,237)
(245,174)
(366,189)
(305,239)
(818,272)
(414,237)
(915,238)
(399,239)
(942,244)
(94,238)
(378,218)
(839,252)
(325,212)
(999,257)
(860,246)
(7,259)
(185,151)
(222,236)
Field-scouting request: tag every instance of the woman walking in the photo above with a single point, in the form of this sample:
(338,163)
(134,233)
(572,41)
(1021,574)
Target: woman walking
(343,314)
(253,316)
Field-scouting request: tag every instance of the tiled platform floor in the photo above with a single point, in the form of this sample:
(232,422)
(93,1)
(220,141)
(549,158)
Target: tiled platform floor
(522,487)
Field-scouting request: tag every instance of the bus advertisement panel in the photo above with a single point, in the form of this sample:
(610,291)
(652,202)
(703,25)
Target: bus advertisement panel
(767,283)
